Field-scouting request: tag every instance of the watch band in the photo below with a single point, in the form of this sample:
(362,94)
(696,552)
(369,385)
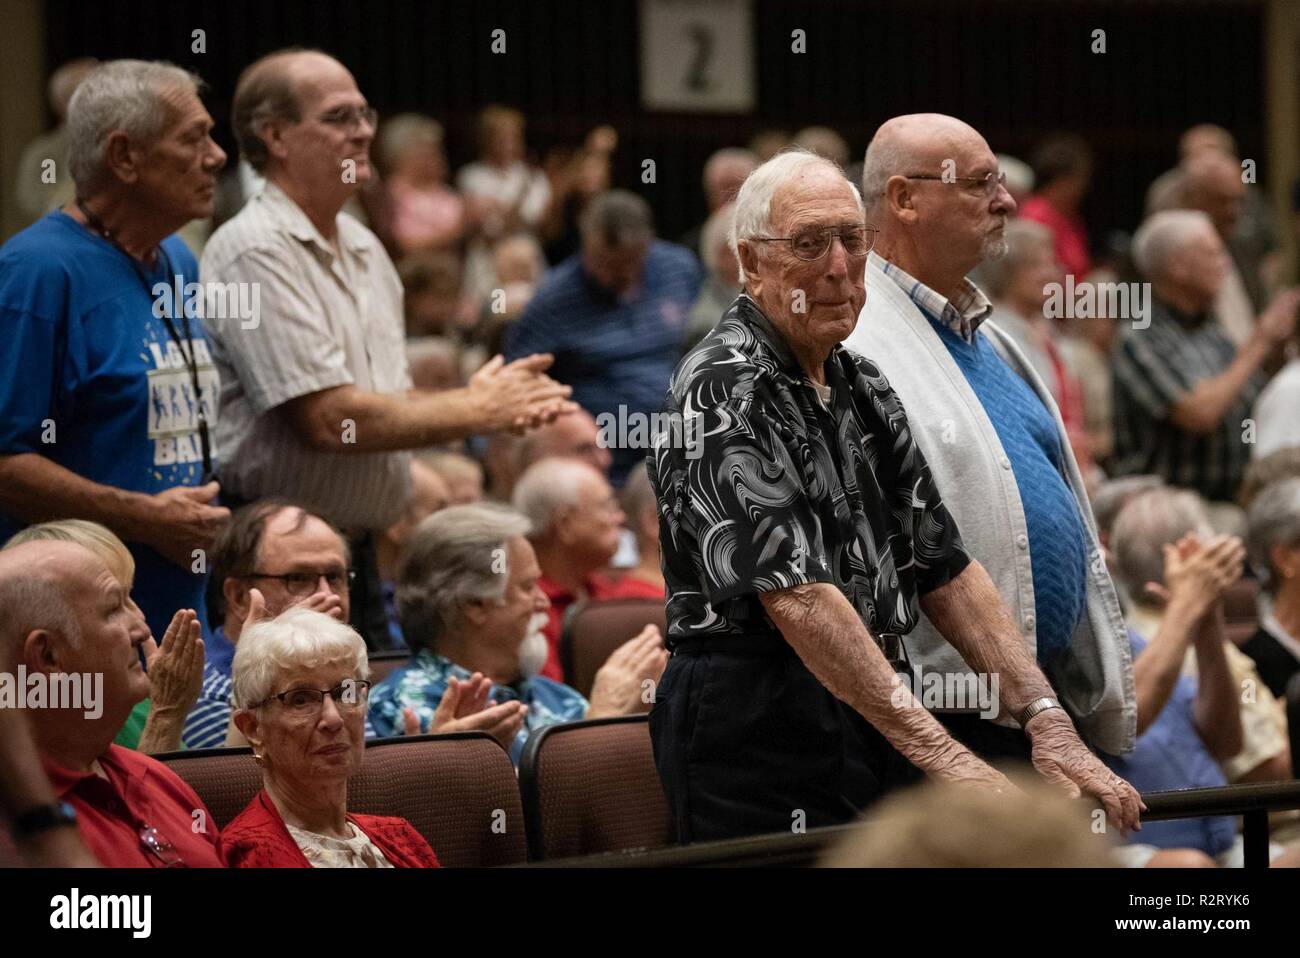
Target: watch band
(42,817)
(1034,707)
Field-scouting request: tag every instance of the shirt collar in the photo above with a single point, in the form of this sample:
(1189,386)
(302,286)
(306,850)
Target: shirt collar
(838,362)
(65,780)
(963,314)
(300,226)
(1269,623)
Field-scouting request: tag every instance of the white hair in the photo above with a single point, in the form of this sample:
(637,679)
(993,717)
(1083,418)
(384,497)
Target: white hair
(297,639)
(754,201)
(1164,234)
(549,486)
(456,554)
(1147,523)
(1274,520)
(120,95)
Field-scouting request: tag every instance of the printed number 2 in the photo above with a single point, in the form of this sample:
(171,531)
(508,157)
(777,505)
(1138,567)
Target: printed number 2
(701,38)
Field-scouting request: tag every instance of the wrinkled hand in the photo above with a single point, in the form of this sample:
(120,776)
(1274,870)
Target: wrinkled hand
(1198,574)
(520,395)
(176,669)
(619,686)
(463,708)
(1061,757)
(181,520)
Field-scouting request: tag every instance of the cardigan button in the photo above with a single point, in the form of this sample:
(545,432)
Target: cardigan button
(1022,541)
(1029,621)
(1006,463)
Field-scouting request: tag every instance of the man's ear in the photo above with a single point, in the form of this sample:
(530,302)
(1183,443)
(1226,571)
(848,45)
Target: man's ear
(271,132)
(40,651)
(120,158)
(898,200)
(235,593)
(475,611)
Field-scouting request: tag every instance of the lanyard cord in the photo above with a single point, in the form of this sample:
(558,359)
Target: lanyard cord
(187,355)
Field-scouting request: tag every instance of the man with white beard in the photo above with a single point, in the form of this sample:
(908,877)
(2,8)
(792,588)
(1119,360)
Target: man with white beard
(471,608)
(989,430)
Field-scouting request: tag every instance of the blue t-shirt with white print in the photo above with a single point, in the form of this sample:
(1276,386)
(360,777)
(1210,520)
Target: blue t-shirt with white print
(91,380)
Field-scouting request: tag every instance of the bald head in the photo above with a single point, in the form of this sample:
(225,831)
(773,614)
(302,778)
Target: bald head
(929,182)
(915,143)
(40,583)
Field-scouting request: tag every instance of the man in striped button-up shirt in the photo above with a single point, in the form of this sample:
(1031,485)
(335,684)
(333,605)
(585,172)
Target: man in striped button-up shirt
(1183,391)
(316,399)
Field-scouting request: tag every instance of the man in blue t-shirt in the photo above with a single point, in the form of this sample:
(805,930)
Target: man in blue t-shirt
(614,316)
(106,384)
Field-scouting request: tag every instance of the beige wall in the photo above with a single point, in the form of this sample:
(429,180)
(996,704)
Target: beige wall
(22,95)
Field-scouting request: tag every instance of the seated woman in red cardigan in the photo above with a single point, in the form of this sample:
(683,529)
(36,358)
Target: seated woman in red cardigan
(300,691)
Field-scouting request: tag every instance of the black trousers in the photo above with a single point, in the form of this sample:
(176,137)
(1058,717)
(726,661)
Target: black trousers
(749,742)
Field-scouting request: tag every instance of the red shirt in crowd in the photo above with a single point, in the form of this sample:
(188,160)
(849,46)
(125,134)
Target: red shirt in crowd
(141,805)
(599,586)
(258,838)
(1069,237)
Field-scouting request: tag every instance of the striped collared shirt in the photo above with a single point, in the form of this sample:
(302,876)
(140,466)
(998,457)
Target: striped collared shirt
(1153,369)
(330,315)
(963,314)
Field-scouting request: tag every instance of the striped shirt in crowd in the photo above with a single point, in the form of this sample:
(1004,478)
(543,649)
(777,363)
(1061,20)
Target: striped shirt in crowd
(330,315)
(1156,367)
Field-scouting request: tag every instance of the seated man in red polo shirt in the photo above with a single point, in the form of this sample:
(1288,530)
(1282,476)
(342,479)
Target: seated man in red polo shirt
(78,634)
(576,524)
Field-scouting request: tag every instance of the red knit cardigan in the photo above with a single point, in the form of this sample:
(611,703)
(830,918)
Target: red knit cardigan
(258,838)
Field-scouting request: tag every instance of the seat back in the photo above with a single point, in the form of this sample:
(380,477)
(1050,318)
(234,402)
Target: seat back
(593,630)
(592,787)
(383,664)
(458,790)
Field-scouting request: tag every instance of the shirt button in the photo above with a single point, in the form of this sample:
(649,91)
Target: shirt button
(1022,540)
(1029,621)
(1006,463)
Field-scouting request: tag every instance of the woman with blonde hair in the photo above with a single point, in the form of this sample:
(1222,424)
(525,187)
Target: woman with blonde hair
(175,668)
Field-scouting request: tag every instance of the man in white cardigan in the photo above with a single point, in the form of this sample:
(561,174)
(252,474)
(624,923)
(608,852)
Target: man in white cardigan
(988,427)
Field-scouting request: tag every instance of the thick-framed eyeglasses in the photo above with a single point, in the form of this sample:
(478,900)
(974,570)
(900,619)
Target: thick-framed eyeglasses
(348,696)
(987,184)
(813,244)
(304,583)
(351,117)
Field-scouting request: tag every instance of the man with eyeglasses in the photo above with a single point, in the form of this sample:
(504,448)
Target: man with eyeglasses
(995,442)
(798,543)
(69,621)
(317,400)
(293,559)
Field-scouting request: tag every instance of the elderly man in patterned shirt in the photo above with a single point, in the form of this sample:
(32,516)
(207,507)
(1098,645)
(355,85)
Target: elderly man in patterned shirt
(473,611)
(798,533)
